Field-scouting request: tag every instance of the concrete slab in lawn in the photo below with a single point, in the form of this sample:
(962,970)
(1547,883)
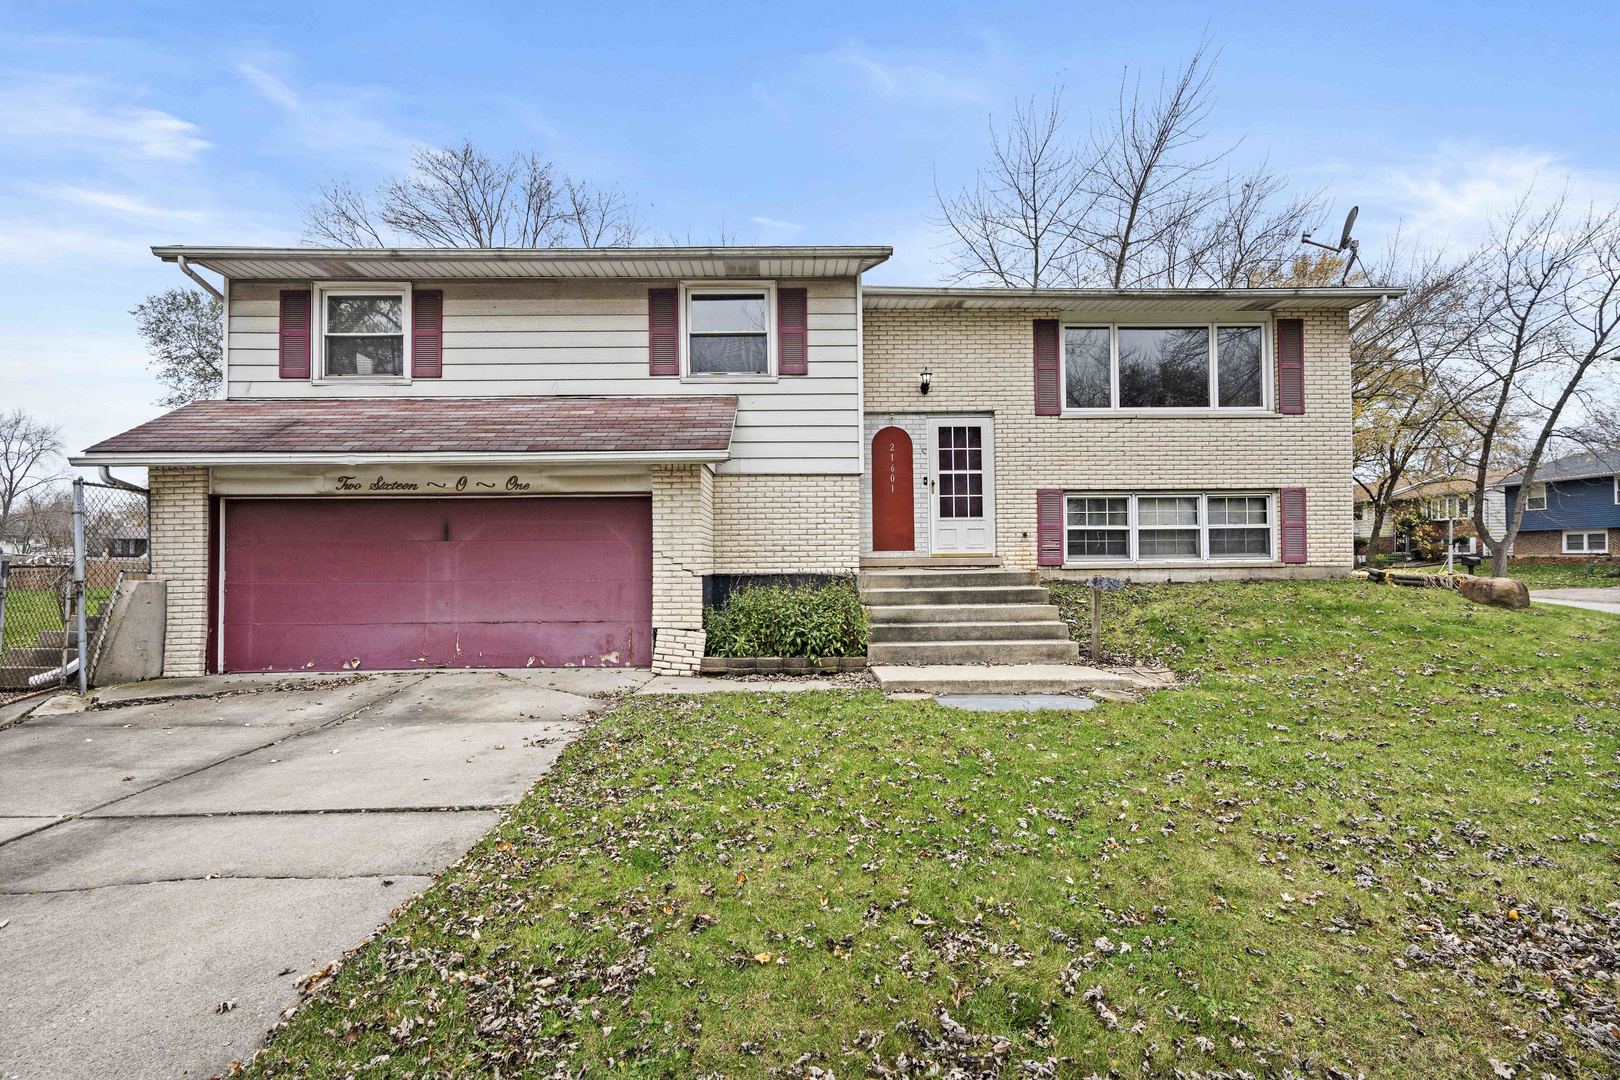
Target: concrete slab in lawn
(129,981)
(93,853)
(708,684)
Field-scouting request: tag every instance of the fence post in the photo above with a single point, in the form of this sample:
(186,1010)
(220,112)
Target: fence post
(5,583)
(78,581)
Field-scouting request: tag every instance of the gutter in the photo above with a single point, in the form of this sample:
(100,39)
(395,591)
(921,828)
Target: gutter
(112,481)
(448,457)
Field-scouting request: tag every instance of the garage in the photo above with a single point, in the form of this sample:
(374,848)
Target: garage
(332,584)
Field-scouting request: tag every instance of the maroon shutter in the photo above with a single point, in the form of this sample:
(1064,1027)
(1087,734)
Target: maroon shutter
(1291,366)
(792,332)
(1292,516)
(663,331)
(427,334)
(295,333)
(1048,400)
(1049,526)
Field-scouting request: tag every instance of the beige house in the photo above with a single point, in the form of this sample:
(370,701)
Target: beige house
(515,458)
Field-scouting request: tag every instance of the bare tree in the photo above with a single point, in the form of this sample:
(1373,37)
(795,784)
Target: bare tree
(1136,204)
(1549,304)
(459,196)
(29,450)
(1600,432)
(1019,225)
(181,329)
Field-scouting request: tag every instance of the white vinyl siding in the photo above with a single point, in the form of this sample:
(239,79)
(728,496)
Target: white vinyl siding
(548,339)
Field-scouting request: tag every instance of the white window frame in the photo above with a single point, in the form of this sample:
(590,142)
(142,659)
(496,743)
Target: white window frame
(1204,558)
(689,290)
(1530,495)
(1586,535)
(1267,367)
(1616,479)
(324,289)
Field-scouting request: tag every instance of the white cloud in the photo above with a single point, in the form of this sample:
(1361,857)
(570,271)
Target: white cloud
(916,81)
(1450,196)
(117,203)
(54,115)
(271,87)
(777,225)
(337,120)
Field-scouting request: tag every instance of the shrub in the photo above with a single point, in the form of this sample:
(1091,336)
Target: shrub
(789,620)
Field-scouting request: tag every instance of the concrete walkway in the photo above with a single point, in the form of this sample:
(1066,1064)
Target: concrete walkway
(1604,599)
(176,858)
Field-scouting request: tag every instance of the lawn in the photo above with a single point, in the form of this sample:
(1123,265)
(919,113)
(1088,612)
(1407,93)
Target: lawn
(28,611)
(1575,575)
(1374,834)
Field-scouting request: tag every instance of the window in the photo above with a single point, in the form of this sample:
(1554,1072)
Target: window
(1168,527)
(1451,508)
(1536,497)
(1587,542)
(363,332)
(1239,526)
(728,332)
(126,547)
(961,472)
(1205,366)
(1099,528)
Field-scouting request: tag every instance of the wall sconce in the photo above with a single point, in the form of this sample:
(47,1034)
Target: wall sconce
(925,379)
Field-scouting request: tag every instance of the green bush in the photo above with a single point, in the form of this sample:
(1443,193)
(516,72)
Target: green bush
(789,620)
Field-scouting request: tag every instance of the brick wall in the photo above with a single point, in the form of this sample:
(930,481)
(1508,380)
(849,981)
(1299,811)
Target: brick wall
(1547,544)
(683,521)
(982,362)
(781,524)
(179,507)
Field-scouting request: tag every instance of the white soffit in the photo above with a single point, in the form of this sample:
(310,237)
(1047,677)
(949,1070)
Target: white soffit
(1119,301)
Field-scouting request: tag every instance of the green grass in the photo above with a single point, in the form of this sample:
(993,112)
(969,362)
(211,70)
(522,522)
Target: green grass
(1592,575)
(1315,855)
(28,611)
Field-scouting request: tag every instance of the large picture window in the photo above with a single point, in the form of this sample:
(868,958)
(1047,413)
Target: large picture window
(363,333)
(1178,527)
(728,332)
(1196,366)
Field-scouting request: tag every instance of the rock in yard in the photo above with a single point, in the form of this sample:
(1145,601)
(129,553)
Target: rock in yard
(1496,591)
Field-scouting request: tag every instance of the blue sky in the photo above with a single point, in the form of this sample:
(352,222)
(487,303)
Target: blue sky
(128,124)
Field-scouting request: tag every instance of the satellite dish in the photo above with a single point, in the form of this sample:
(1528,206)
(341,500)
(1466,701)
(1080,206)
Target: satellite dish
(1346,243)
(1349,223)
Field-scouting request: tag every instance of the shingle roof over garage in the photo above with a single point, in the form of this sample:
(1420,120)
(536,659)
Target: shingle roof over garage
(352,429)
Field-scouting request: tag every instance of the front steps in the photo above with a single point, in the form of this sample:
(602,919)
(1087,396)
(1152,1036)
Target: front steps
(962,616)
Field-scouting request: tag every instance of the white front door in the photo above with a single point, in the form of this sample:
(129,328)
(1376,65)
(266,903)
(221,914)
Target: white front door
(961,485)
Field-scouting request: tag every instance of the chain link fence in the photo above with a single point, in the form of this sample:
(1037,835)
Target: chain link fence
(67,555)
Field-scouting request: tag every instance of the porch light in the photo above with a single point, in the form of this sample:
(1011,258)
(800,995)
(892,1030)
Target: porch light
(925,378)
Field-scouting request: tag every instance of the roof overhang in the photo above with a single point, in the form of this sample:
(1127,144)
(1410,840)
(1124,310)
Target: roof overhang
(1120,301)
(149,459)
(441,264)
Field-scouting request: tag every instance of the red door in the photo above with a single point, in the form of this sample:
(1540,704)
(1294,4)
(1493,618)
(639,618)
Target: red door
(380,584)
(893,509)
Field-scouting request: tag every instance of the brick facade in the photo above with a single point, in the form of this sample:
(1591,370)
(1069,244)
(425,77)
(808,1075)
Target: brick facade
(683,521)
(1548,544)
(781,524)
(982,363)
(179,510)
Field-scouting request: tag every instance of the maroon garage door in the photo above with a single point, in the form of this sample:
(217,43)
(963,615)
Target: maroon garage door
(374,584)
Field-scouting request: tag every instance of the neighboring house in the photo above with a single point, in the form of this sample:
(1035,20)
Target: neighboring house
(127,542)
(1572,508)
(513,458)
(1445,503)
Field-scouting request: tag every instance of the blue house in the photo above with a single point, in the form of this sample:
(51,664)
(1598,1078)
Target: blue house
(1572,508)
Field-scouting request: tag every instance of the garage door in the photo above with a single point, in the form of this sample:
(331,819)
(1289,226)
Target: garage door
(377,584)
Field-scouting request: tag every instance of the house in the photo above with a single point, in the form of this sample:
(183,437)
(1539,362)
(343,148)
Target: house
(1571,509)
(515,458)
(1446,503)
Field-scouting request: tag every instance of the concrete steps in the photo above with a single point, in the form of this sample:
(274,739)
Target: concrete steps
(967,615)
(1070,678)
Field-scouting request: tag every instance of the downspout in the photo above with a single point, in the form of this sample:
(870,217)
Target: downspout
(185,268)
(112,481)
(1377,306)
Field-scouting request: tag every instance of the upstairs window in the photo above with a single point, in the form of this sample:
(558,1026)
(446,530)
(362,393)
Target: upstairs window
(1197,366)
(1535,498)
(363,333)
(728,332)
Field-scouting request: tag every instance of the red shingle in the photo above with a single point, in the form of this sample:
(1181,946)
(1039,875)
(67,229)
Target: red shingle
(418,425)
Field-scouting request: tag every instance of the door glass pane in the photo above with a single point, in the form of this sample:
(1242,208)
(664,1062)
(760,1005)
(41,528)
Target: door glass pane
(1085,366)
(1237,351)
(1164,367)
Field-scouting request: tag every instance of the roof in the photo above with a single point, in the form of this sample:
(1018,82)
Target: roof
(1423,489)
(1572,467)
(432,264)
(905,297)
(358,430)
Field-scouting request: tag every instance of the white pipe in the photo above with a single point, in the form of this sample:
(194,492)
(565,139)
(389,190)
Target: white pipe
(1378,304)
(112,481)
(45,678)
(185,268)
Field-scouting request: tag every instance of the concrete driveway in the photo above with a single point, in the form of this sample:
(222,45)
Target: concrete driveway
(1604,599)
(175,859)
